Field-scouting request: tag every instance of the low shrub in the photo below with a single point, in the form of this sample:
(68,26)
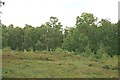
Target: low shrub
(60,50)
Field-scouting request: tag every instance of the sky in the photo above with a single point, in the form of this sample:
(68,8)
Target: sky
(37,12)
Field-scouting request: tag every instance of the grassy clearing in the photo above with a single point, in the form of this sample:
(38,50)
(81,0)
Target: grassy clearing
(46,64)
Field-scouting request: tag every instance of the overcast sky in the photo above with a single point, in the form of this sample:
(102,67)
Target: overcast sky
(36,12)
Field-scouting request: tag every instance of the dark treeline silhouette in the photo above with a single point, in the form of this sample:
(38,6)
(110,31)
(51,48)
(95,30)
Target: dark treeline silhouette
(88,35)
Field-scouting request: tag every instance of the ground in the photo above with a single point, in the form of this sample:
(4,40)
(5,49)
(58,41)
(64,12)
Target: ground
(44,64)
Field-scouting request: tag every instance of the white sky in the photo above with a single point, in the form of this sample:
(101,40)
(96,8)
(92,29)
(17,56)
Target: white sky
(36,12)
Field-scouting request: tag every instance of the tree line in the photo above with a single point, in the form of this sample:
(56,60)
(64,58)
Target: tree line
(88,34)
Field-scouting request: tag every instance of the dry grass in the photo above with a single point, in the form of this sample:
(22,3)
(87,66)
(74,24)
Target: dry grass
(56,65)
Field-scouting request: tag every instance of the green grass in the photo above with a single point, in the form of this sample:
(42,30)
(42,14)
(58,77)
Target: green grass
(46,64)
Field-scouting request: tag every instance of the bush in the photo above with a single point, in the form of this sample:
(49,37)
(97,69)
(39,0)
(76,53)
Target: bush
(88,52)
(7,49)
(60,50)
(102,52)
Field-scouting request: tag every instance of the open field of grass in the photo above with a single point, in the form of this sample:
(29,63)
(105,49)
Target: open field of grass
(46,64)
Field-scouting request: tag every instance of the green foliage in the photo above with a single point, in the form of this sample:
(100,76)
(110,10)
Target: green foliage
(86,18)
(101,52)
(38,45)
(87,31)
(61,51)
(46,37)
(88,52)
(51,35)
(4,36)
(58,49)
(96,41)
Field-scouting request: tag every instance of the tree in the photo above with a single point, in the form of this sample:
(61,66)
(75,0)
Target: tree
(108,33)
(4,36)
(78,38)
(15,38)
(85,37)
(86,18)
(54,33)
(28,38)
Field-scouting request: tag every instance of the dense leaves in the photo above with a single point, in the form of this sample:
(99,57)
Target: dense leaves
(90,32)
(88,36)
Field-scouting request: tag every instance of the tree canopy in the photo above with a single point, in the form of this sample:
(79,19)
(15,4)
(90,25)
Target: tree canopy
(51,35)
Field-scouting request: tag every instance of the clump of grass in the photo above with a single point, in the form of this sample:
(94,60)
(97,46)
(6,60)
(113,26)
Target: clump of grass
(110,67)
(90,65)
(106,67)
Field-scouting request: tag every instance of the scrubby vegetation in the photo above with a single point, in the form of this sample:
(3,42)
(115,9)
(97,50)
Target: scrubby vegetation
(88,49)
